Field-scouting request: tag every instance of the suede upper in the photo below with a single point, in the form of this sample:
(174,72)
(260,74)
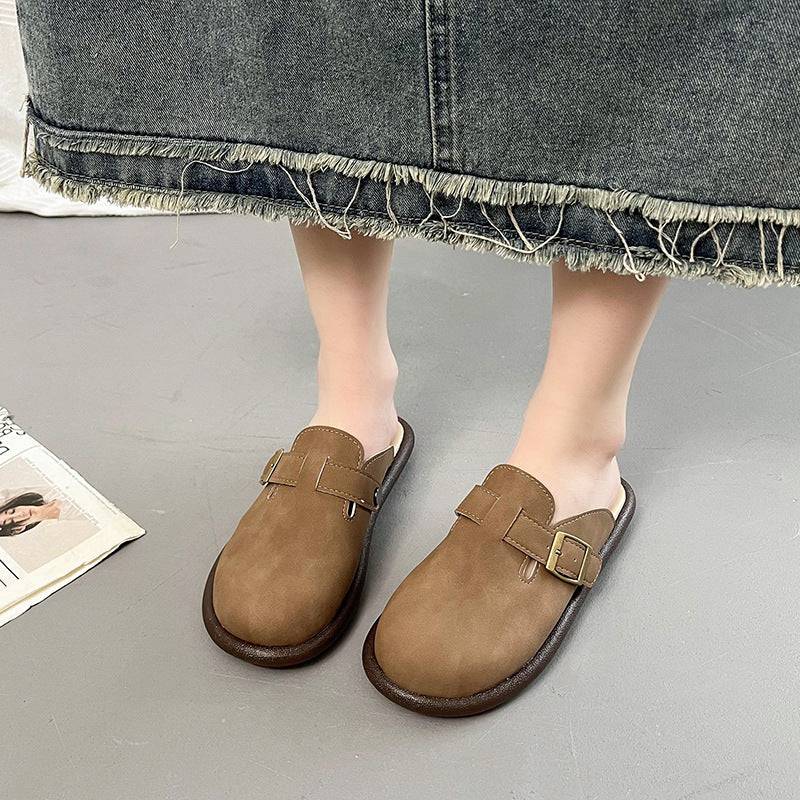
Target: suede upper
(482,603)
(287,568)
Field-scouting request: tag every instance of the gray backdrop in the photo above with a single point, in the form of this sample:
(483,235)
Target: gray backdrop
(167,377)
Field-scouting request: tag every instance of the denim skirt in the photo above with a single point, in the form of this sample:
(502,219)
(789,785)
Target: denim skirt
(636,137)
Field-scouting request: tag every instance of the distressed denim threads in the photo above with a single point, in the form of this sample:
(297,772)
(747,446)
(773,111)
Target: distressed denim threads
(641,139)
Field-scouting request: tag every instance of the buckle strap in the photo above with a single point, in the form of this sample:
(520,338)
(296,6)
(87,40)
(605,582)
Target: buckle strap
(477,504)
(283,468)
(563,554)
(335,479)
(349,484)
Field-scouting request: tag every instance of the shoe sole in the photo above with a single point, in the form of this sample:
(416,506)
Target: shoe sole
(277,656)
(511,686)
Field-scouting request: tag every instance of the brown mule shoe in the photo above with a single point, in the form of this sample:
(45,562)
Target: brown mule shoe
(288,582)
(481,616)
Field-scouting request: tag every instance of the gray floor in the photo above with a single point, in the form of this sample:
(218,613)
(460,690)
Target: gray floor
(167,377)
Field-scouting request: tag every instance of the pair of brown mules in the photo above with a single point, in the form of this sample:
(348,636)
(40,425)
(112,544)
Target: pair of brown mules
(472,624)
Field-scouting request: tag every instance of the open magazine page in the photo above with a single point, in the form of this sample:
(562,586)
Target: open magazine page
(53,525)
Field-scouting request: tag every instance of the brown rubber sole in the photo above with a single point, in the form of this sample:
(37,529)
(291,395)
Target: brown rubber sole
(511,686)
(295,654)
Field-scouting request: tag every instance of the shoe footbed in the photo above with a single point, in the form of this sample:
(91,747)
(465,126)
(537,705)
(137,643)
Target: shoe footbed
(616,507)
(398,438)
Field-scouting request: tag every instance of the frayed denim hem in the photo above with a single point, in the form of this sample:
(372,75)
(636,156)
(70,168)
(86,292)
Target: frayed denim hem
(618,231)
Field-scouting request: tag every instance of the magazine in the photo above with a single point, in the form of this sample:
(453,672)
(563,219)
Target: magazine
(53,525)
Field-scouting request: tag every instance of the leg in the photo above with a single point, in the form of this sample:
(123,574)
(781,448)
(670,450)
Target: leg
(473,624)
(347,284)
(286,585)
(575,422)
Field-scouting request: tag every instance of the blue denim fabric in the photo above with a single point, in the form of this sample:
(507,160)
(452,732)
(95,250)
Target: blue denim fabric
(692,104)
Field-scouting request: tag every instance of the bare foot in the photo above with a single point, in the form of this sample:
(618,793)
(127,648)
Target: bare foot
(356,394)
(577,485)
(375,431)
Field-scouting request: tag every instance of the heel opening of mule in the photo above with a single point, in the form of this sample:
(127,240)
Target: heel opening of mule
(398,437)
(619,502)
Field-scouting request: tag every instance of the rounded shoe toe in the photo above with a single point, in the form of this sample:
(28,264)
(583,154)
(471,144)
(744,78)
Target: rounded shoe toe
(264,608)
(437,650)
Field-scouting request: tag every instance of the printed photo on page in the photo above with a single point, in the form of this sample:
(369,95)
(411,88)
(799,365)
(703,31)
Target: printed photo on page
(53,525)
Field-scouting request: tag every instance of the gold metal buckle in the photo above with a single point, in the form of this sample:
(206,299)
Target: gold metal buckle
(270,467)
(555,552)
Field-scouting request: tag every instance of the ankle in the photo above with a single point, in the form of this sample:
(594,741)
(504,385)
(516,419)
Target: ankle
(591,431)
(574,453)
(357,395)
(342,372)
(577,483)
(375,428)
